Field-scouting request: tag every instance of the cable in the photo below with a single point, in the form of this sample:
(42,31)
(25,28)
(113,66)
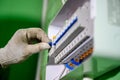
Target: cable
(60,74)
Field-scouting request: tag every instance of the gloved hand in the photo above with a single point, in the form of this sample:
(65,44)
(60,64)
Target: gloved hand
(20,46)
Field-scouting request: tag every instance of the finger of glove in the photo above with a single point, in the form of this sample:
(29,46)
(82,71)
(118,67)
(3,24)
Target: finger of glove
(37,33)
(37,47)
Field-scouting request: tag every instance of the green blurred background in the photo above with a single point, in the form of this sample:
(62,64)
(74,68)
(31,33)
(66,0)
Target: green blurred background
(16,14)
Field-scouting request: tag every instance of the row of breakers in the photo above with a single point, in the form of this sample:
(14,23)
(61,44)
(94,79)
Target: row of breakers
(75,50)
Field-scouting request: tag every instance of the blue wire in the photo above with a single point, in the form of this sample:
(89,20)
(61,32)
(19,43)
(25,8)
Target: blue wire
(74,21)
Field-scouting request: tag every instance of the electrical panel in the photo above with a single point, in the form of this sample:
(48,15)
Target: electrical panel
(74,42)
(88,28)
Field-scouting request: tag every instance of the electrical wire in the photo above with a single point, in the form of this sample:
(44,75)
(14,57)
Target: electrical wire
(60,74)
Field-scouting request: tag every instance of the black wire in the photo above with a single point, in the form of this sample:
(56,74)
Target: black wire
(60,74)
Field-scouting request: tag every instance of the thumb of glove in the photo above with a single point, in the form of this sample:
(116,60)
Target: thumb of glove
(34,48)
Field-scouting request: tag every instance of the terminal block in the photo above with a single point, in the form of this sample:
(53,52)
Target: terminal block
(80,50)
(79,40)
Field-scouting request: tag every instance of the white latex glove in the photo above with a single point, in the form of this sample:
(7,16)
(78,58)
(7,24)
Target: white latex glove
(20,47)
